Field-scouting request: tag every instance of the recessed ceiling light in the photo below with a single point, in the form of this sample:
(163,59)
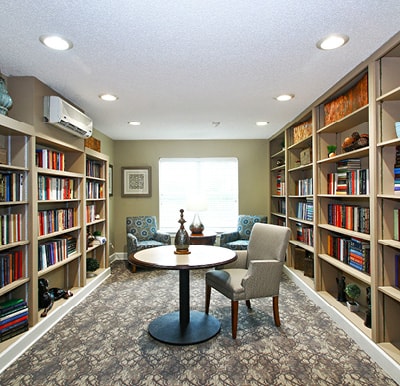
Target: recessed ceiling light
(262,123)
(332,41)
(284,97)
(134,123)
(56,42)
(108,97)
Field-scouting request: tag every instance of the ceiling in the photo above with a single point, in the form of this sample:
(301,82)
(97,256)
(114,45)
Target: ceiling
(179,66)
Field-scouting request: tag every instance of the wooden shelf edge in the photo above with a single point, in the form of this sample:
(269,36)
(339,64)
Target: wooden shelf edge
(390,291)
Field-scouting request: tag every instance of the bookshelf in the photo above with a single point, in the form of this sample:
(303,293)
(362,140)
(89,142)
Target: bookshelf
(96,207)
(356,200)
(49,165)
(387,105)
(277,153)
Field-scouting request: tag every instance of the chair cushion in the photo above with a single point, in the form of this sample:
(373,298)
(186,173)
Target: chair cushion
(148,244)
(228,282)
(238,245)
(245,224)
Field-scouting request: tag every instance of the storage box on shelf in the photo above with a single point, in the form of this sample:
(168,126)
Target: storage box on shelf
(16,297)
(388,203)
(96,204)
(278,179)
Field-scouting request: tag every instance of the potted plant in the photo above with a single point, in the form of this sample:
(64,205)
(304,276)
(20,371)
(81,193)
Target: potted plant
(353,292)
(91,265)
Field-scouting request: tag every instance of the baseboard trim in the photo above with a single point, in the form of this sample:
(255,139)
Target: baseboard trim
(15,350)
(387,363)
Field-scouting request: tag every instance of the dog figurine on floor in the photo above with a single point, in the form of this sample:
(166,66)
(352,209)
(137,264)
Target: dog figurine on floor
(48,296)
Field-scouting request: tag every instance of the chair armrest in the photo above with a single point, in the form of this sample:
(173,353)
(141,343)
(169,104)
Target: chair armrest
(263,278)
(162,237)
(228,237)
(132,243)
(240,262)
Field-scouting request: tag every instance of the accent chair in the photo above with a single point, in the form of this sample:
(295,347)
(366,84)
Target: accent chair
(239,239)
(255,274)
(142,233)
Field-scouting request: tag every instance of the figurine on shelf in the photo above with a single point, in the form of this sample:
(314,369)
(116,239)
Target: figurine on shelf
(48,296)
(341,285)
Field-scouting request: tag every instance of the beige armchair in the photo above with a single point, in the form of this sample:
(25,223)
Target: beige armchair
(255,274)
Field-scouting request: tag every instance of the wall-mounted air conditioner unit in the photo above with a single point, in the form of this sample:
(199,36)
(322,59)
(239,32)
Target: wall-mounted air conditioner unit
(61,114)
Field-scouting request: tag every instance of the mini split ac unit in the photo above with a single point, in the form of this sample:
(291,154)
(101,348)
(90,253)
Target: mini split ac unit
(66,117)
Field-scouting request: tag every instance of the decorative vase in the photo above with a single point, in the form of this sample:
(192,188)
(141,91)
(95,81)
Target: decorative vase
(353,306)
(5,99)
(182,239)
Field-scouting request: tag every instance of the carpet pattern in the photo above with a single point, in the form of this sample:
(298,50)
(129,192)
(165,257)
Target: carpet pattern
(104,341)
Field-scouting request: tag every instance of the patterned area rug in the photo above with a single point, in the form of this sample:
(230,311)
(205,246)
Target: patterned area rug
(104,341)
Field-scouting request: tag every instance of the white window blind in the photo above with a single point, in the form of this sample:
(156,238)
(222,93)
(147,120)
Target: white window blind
(214,180)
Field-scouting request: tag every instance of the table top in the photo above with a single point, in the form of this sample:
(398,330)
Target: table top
(200,256)
(204,234)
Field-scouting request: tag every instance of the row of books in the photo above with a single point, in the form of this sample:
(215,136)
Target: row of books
(354,182)
(55,220)
(304,187)
(56,188)
(351,251)
(10,228)
(94,189)
(50,159)
(55,250)
(93,169)
(396,171)
(11,186)
(280,185)
(13,318)
(396,224)
(351,217)
(305,210)
(282,205)
(305,234)
(11,267)
(90,213)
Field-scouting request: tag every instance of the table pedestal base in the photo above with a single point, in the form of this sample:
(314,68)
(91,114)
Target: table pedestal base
(201,327)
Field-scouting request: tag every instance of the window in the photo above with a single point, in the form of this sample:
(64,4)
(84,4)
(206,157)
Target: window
(214,180)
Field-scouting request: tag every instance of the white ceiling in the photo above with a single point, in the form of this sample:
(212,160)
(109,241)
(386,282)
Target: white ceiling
(179,65)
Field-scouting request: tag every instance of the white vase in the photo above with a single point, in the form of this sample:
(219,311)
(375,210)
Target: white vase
(353,307)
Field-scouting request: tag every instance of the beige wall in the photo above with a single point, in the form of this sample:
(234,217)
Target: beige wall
(253,175)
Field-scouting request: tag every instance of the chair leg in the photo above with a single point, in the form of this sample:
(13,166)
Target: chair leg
(248,304)
(234,311)
(276,311)
(208,297)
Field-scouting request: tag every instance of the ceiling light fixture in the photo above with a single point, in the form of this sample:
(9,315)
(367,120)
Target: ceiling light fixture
(262,123)
(284,97)
(56,42)
(332,41)
(134,123)
(108,97)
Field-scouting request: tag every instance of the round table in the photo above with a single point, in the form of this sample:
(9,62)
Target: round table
(184,326)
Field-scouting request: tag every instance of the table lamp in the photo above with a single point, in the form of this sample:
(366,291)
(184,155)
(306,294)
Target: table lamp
(196,205)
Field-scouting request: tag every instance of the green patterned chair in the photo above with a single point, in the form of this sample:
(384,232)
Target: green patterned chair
(239,239)
(142,233)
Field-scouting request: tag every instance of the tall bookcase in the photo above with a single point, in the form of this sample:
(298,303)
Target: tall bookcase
(52,179)
(356,200)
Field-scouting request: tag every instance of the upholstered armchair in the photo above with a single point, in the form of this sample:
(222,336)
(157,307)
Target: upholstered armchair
(255,274)
(142,233)
(239,239)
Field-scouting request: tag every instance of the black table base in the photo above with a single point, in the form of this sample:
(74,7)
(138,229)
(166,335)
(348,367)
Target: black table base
(168,329)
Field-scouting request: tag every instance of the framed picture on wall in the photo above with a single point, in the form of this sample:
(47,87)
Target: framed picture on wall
(110,180)
(136,181)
